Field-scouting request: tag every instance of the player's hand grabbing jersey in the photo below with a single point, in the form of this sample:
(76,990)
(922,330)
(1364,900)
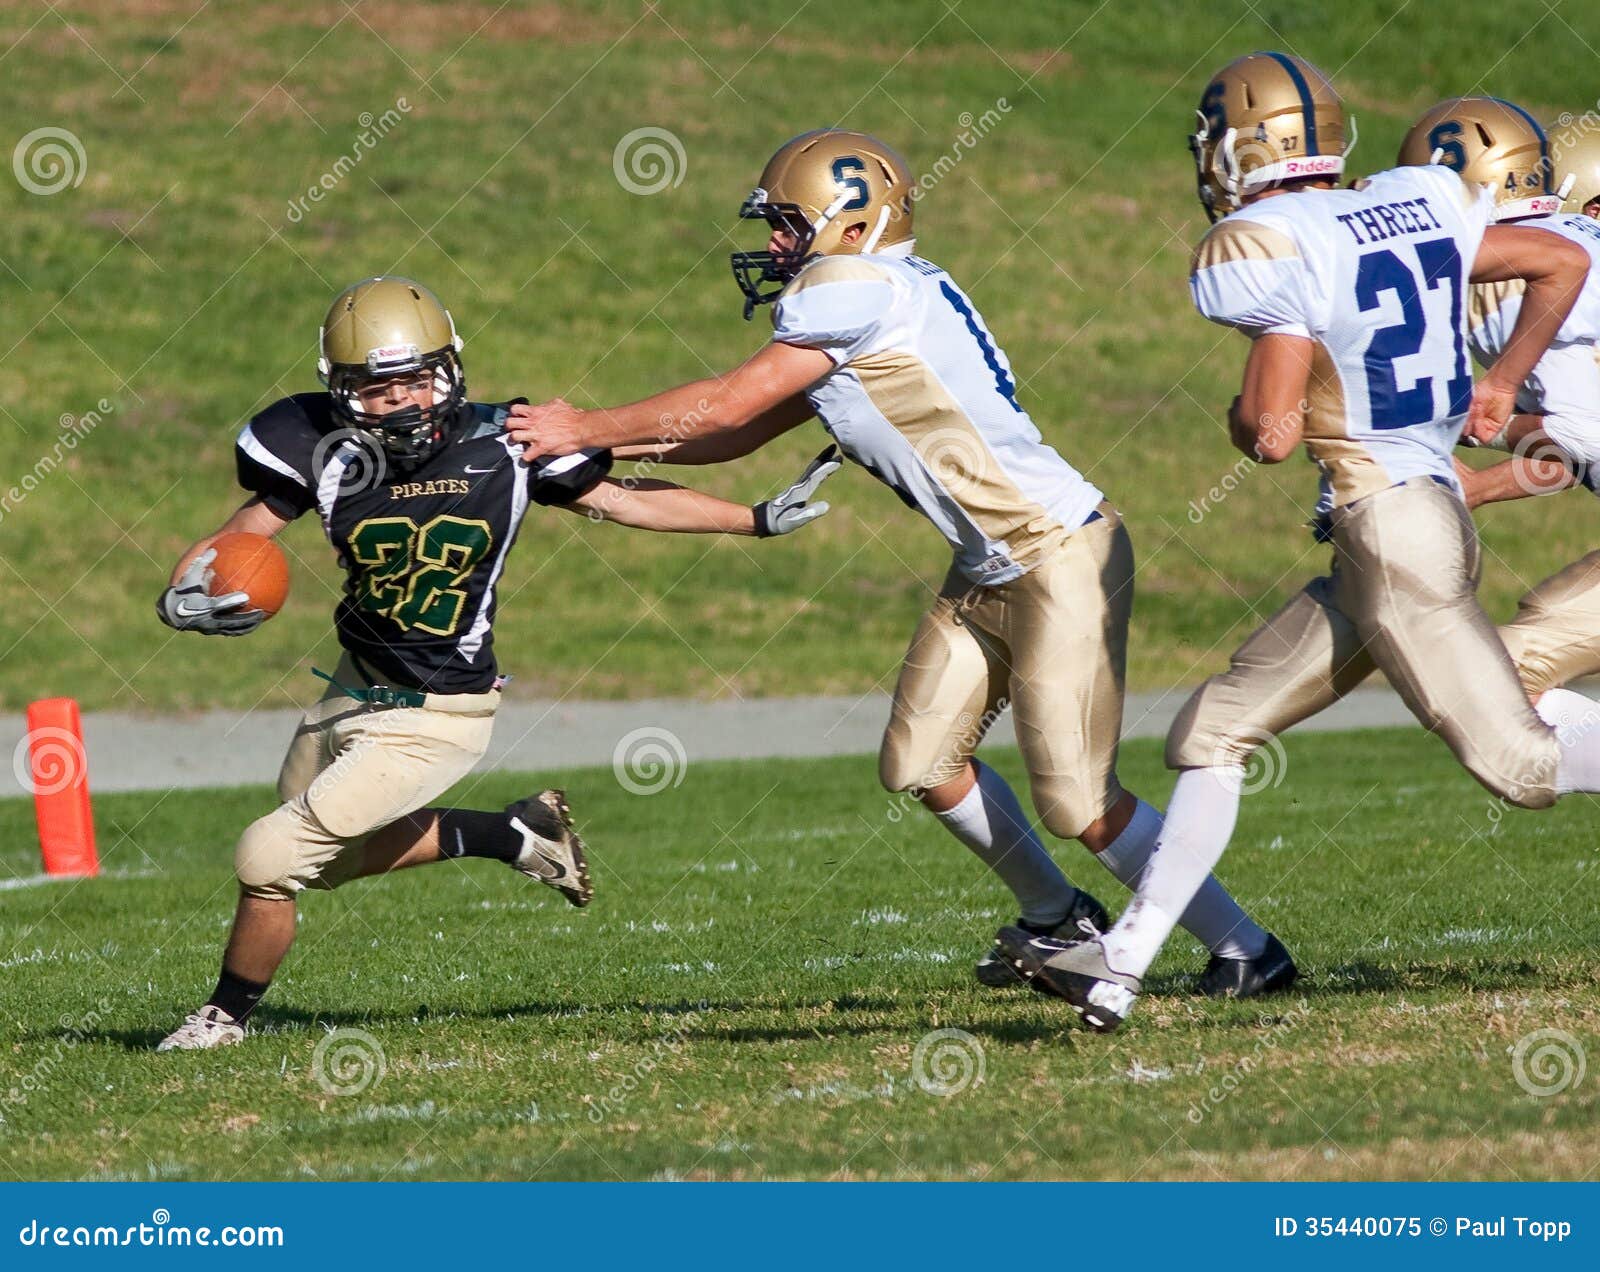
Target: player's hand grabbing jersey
(1377,277)
(423,550)
(1565,385)
(923,398)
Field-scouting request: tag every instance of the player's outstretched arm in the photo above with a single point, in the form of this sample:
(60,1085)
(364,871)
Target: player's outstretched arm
(647,504)
(1554,269)
(719,448)
(1519,477)
(187,606)
(1266,419)
(699,409)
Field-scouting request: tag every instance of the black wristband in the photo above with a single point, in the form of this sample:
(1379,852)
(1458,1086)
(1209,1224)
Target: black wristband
(763,512)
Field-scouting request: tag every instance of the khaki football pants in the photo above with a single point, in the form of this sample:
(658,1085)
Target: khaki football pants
(351,770)
(1555,636)
(1402,598)
(1053,645)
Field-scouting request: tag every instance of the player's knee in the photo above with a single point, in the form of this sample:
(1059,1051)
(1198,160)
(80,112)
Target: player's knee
(904,767)
(265,859)
(285,852)
(1202,736)
(893,771)
(1066,818)
(1524,776)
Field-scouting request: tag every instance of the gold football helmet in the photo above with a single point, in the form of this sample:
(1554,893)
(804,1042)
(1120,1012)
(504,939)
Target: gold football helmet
(1266,118)
(816,187)
(1492,143)
(381,328)
(1575,163)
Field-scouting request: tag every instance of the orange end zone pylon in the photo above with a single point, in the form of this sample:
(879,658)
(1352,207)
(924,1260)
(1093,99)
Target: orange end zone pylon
(58,772)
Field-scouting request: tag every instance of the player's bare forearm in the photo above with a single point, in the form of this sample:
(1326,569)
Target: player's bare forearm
(648,504)
(719,448)
(1554,270)
(252,517)
(699,409)
(1519,477)
(1266,419)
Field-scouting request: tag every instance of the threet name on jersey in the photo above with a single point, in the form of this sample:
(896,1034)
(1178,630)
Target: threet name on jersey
(1388,220)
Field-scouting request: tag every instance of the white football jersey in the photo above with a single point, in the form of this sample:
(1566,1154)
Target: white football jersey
(1565,385)
(1378,279)
(922,397)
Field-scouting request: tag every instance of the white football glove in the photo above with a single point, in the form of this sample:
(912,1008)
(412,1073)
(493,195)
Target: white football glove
(188,607)
(786,513)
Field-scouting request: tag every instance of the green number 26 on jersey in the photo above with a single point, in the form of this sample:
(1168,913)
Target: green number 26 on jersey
(413,574)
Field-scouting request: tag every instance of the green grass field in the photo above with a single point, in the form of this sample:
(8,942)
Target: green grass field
(771,945)
(178,283)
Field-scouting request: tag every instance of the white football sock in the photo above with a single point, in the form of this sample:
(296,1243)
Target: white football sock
(1576,720)
(990,821)
(1213,917)
(1200,821)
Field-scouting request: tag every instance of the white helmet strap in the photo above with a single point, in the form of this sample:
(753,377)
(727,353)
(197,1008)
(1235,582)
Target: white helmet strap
(871,241)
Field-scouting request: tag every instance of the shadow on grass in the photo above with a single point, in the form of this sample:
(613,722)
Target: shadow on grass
(1336,981)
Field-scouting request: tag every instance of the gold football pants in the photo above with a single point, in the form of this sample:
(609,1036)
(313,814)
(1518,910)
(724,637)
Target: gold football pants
(1555,636)
(1053,645)
(1401,598)
(352,769)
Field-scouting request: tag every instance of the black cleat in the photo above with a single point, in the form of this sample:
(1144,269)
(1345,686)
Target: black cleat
(551,852)
(996,973)
(1074,970)
(1267,972)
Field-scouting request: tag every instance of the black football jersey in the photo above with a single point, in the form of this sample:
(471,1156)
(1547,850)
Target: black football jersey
(423,549)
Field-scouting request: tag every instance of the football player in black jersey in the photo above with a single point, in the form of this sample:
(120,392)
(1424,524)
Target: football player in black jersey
(421,494)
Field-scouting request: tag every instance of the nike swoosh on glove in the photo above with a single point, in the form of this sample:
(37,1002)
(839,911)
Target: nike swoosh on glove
(188,607)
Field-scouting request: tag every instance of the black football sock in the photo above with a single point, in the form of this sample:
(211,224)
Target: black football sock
(466,832)
(236,995)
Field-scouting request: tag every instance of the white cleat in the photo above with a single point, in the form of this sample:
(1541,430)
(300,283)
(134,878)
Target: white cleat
(201,1030)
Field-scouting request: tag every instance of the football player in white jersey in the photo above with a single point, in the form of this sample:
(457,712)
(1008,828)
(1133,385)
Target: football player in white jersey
(895,359)
(1355,303)
(1555,435)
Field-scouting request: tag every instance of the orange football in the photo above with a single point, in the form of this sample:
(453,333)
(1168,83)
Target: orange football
(254,564)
